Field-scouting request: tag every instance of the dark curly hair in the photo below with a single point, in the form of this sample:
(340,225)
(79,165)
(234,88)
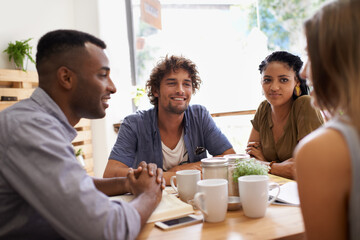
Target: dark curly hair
(294,62)
(166,66)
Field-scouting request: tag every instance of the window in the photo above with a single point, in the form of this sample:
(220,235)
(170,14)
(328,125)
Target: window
(227,40)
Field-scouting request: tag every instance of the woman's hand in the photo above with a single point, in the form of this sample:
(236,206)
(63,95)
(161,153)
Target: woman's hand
(284,169)
(254,150)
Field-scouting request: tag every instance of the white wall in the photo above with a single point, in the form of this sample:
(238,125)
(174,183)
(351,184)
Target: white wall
(102,18)
(112,26)
(22,19)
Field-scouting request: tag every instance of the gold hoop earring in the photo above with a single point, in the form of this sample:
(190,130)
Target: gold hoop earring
(297,90)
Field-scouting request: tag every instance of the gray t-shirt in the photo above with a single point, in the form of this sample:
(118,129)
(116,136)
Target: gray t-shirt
(44,192)
(353,142)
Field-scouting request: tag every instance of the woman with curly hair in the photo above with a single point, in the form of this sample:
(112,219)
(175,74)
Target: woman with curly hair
(285,117)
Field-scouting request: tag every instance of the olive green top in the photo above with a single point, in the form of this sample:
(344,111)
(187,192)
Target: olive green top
(303,119)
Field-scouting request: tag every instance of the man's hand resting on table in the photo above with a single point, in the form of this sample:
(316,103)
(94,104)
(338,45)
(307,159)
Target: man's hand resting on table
(135,177)
(146,184)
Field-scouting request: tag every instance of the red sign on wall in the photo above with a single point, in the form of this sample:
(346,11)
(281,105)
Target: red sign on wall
(151,12)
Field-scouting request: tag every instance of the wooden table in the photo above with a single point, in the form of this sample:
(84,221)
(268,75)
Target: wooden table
(280,222)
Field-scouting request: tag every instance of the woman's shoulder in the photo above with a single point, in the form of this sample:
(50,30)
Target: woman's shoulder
(303,100)
(260,117)
(262,111)
(316,145)
(263,106)
(302,106)
(323,157)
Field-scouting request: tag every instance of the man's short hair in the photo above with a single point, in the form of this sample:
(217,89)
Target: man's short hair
(166,66)
(60,41)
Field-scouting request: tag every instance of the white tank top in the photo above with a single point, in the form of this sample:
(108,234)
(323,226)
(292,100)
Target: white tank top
(176,156)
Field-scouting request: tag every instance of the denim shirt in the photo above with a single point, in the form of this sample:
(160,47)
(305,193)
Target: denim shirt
(139,137)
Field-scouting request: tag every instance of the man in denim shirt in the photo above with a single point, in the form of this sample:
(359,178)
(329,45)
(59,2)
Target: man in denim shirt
(173,135)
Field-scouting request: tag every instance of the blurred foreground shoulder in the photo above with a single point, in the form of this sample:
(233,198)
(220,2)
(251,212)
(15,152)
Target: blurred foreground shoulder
(324,177)
(324,145)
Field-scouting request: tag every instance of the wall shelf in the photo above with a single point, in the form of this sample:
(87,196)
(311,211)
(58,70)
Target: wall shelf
(20,84)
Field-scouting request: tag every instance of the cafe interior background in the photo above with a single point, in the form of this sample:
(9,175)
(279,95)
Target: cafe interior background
(227,39)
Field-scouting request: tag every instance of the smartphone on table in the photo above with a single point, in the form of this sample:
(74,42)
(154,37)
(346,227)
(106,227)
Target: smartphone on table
(179,222)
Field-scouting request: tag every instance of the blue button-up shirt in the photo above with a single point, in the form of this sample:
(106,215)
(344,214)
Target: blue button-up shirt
(139,137)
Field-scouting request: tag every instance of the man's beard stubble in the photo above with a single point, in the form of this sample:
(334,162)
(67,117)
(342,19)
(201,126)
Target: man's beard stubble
(176,110)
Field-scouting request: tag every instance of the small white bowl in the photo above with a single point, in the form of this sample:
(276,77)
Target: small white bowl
(234,203)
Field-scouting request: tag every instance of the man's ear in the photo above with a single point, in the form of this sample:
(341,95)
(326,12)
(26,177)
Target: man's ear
(155,93)
(65,77)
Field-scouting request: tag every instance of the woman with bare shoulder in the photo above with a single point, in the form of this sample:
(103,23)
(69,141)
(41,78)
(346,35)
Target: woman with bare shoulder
(328,160)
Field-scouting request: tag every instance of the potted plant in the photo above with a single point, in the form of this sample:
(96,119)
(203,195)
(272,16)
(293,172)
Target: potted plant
(247,167)
(19,52)
(137,94)
(79,156)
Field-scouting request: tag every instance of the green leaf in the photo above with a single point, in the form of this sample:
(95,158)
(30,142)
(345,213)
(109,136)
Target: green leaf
(78,152)
(17,52)
(249,167)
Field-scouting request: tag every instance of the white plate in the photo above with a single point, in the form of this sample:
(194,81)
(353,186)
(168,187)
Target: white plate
(234,203)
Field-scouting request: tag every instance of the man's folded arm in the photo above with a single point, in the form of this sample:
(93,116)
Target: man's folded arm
(115,168)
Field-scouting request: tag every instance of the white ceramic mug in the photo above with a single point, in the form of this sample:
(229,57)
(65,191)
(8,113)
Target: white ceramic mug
(186,183)
(212,199)
(254,194)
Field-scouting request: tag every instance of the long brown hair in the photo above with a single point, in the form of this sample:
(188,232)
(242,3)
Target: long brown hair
(333,40)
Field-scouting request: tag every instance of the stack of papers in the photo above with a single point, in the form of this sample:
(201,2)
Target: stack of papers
(288,194)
